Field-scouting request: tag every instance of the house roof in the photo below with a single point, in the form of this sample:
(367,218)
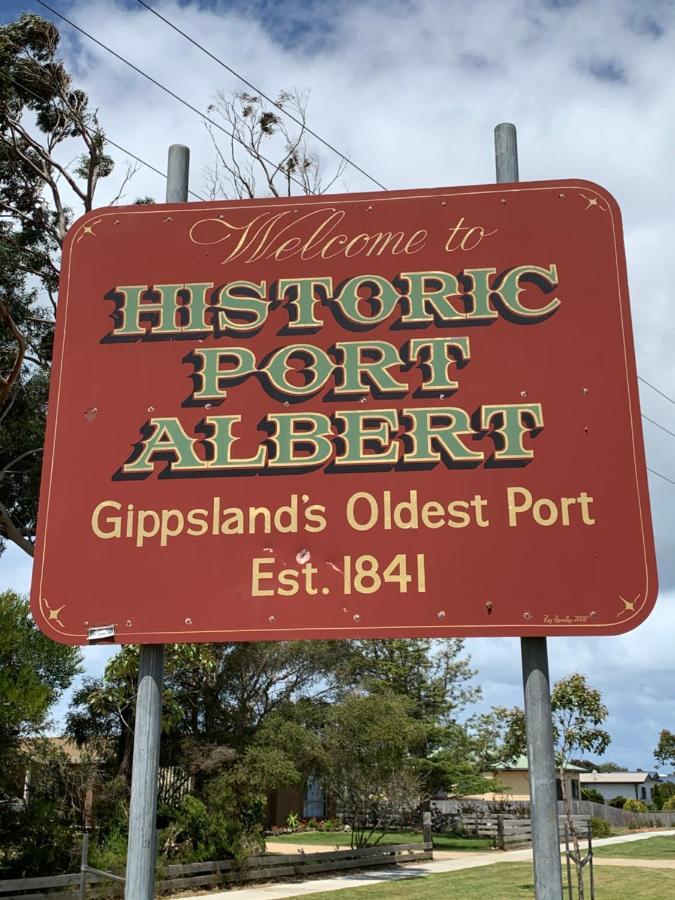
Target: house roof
(74,753)
(614,777)
(520,764)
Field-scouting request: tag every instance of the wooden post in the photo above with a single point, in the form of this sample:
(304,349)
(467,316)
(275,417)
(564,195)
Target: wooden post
(84,861)
(501,843)
(426,826)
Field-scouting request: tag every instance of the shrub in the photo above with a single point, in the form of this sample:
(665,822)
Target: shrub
(40,837)
(110,852)
(600,828)
(618,802)
(635,806)
(592,795)
(196,832)
(662,792)
(669,804)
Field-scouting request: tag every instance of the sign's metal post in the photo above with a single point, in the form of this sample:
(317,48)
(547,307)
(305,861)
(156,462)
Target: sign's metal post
(141,848)
(536,684)
(541,766)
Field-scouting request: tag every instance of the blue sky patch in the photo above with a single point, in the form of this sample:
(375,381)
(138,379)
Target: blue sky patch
(606,70)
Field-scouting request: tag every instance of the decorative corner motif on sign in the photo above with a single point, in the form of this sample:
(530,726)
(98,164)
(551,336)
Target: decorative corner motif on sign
(84,230)
(592,201)
(52,614)
(628,605)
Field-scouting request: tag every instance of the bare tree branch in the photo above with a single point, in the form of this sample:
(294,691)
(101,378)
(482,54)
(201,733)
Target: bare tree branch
(6,411)
(13,533)
(17,459)
(7,382)
(50,163)
(131,170)
(26,217)
(259,134)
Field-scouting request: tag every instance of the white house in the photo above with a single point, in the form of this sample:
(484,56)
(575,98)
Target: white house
(631,785)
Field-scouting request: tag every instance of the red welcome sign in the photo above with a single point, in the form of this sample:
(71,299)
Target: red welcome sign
(393,414)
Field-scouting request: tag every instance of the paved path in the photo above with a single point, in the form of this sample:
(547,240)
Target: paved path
(635,863)
(281,890)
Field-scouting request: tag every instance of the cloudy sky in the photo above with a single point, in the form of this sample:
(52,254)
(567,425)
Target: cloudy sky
(411,90)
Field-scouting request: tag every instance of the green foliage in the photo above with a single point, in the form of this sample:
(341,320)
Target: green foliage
(665,749)
(101,715)
(37,837)
(433,675)
(590,765)
(618,802)
(608,767)
(662,792)
(669,804)
(578,713)
(198,831)
(368,765)
(589,793)
(43,119)
(292,820)
(497,737)
(34,671)
(633,805)
(109,851)
(226,691)
(600,828)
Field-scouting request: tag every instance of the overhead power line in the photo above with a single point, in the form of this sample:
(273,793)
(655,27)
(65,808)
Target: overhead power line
(163,87)
(654,388)
(665,478)
(92,132)
(658,425)
(245,81)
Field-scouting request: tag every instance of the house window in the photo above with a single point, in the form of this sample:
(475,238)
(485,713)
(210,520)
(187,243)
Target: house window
(575,790)
(314,801)
(643,792)
(558,789)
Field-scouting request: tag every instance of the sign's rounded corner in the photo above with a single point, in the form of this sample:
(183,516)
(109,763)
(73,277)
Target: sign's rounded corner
(44,625)
(599,190)
(624,626)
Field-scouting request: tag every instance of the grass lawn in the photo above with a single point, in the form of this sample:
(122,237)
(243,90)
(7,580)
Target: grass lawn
(657,847)
(510,881)
(343,839)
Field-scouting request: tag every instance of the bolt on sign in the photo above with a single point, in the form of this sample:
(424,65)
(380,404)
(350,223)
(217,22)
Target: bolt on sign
(389,414)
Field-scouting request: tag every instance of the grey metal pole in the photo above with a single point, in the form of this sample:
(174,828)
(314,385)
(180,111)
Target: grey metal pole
(141,847)
(541,765)
(178,174)
(536,682)
(506,152)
